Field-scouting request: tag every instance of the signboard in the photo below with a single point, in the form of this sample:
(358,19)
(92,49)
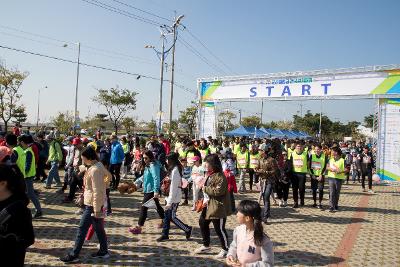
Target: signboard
(208,121)
(389,144)
(354,84)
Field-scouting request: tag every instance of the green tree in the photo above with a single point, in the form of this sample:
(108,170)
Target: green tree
(251,121)
(369,121)
(129,124)
(64,121)
(10,83)
(310,123)
(152,126)
(117,103)
(188,117)
(19,114)
(225,121)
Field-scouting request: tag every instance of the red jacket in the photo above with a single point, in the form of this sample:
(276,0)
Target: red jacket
(231,181)
(167,146)
(35,150)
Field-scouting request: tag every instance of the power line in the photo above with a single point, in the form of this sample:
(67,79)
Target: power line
(199,55)
(209,51)
(141,10)
(121,12)
(95,66)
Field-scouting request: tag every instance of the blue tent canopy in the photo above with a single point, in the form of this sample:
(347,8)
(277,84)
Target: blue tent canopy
(266,133)
(241,131)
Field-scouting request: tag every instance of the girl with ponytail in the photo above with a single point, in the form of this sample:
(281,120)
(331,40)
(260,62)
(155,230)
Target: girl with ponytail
(250,247)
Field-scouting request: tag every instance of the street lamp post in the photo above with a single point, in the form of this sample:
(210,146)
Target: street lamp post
(175,26)
(76,90)
(38,108)
(161,81)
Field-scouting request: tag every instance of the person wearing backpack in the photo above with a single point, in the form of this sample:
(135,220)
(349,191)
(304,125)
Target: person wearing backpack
(16,230)
(175,170)
(55,158)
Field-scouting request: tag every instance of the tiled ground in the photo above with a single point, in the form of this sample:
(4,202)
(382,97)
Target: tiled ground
(303,237)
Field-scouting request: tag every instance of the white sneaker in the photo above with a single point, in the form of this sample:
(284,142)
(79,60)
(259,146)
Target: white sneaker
(221,254)
(280,203)
(202,249)
(284,203)
(370,191)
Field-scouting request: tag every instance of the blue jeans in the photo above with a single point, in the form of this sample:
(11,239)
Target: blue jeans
(31,194)
(267,204)
(334,192)
(170,215)
(86,220)
(53,173)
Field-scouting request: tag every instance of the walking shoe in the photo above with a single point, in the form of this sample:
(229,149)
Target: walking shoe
(185,203)
(100,255)
(364,190)
(194,208)
(109,213)
(331,209)
(162,238)
(59,185)
(301,203)
(189,233)
(202,249)
(69,259)
(336,208)
(371,192)
(135,230)
(284,203)
(221,254)
(37,214)
(319,207)
(314,205)
(295,206)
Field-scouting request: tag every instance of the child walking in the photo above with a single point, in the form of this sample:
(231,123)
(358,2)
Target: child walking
(250,245)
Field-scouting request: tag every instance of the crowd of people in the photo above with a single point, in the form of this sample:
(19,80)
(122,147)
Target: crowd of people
(201,173)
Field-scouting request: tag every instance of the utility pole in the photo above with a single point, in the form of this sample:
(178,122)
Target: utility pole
(175,26)
(320,124)
(240,116)
(261,114)
(76,90)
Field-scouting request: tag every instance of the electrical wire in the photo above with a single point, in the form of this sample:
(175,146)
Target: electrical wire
(200,56)
(96,67)
(141,10)
(209,50)
(122,12)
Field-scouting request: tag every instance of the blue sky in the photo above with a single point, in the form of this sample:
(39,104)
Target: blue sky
(249,36)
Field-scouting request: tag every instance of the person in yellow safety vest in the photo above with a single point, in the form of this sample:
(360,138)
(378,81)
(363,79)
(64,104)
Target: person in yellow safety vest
(30,173)
(290,149)
(203,148)
(242,163)
(299,161)
(317,166)
(182,150)
(336,176)
(127,158)
(214,146)
(178,144)
(190,154)
(236,146)
(254,158)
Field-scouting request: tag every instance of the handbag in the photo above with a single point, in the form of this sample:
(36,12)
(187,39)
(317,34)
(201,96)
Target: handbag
(199,205)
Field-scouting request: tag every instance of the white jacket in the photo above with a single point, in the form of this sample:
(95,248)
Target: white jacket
(175,190)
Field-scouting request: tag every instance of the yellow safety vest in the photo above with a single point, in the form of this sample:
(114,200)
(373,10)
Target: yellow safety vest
(32,170)
(339,165)
(317,164)
(255,160)
(125,147)
(236,149)
(242,159)
(21,161)
(190,159)
(182,153)
(289,152)
(300,162)
(204,153)
(213,149)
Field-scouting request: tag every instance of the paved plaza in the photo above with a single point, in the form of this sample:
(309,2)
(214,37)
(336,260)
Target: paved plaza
(364,233)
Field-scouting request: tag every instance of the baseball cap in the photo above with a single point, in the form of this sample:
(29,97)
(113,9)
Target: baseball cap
(196,158)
